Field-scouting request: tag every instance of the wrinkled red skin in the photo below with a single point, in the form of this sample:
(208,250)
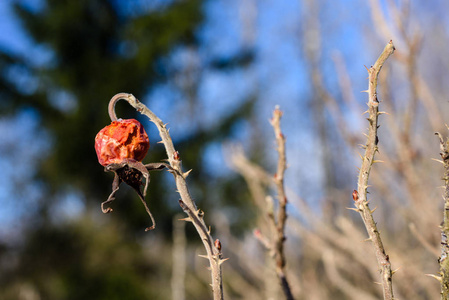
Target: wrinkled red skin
(123,140)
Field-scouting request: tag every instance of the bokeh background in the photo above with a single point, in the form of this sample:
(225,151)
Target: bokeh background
(214,71)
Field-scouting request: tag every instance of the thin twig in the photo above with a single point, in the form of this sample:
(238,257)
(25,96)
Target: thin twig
(186,202)
(444,258)
(279,224)
(360,195)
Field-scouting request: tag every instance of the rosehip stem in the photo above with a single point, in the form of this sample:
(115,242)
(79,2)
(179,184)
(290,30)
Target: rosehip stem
(195,215)
(112,102)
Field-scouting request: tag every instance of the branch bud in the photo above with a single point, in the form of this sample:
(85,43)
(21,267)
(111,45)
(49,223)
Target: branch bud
(176,156)
(355,195)
(217,244)
(277,112)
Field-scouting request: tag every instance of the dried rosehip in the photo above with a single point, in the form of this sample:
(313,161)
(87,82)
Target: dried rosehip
(120,148)
(120,141)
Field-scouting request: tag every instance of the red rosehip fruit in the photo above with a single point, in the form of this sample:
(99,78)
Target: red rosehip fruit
(123,140)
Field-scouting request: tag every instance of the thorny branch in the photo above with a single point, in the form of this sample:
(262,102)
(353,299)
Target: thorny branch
(444,258)
(195,215)
(279,224)
(275,244)
(360,195)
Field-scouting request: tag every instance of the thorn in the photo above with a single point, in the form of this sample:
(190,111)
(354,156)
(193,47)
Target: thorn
(436,277)
(377,161)
(437,160)
(365,135)
(223,260)
(367,240)
(160,142)
(365,91)
(185,174)
(373,210)
(203,256)
(366,68)
(209,230)
(382,112)
(186,219)
(354,209)
(361,157)
(394,271)
(362,146)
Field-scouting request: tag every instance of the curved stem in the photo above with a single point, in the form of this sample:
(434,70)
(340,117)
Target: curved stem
(360,195)
(113,101)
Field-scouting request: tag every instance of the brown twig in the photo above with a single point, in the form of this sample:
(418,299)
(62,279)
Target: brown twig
(186,202)
(360,195)
(444,258)
(279,224)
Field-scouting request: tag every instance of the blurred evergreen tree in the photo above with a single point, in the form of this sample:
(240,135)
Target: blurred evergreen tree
(99,48)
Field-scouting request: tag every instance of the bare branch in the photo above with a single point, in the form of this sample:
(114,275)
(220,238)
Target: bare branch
(282,199)
(360,195)
(444,258)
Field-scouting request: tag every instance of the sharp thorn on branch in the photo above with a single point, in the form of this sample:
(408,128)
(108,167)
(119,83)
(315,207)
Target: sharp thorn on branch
(439,278)
(185,174)
(354,209)
(188,219)
(437,160)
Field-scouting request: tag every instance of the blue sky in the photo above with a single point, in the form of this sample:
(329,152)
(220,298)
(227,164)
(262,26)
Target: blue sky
(278,76)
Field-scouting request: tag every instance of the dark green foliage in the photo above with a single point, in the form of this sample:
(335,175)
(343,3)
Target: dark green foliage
(74,262)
